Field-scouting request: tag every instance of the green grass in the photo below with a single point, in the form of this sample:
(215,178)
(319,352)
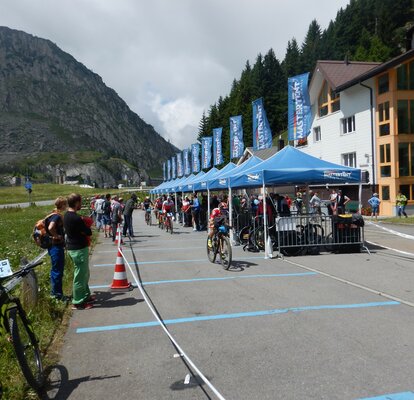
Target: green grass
(48,316)
(45,191)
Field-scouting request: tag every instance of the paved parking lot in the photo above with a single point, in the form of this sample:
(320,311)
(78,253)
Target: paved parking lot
(333,326)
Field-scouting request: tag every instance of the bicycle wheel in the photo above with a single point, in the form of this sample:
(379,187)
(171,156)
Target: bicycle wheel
(150,220)
(259,238)
(211,251)
(244,235)
(26,348)
(225,252)
(171,227)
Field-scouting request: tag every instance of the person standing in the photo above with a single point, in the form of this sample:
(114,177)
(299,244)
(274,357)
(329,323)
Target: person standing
(195,208)
(100,210)
(374,202)
(332,202)
(401,202)
(54,223)
(128,210)
(340,203)
(315,203)
(116,216)
(77,244)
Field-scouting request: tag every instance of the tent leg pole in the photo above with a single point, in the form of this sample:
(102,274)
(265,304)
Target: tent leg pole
(267,250)
(176,206)
(182,212)
(231,215)
(208,210)
(360,197)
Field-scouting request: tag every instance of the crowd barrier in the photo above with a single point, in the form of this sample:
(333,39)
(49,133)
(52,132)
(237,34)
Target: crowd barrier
(342,233)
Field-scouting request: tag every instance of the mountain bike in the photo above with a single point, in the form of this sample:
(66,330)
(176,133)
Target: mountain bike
(168,222)
(16,326)
(220,245)
(148,216)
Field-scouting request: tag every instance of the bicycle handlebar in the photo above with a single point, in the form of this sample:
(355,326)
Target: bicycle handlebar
(14,279)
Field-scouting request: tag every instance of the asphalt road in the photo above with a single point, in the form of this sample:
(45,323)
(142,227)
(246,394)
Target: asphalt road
(332,326)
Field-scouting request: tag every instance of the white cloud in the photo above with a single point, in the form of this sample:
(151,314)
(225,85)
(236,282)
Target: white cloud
(179,119)
(168,59)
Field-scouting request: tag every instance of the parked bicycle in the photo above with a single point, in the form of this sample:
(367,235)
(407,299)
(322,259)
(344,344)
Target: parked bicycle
(16,326)
(220,246)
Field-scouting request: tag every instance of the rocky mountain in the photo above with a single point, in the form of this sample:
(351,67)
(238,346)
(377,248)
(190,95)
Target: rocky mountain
(53,108)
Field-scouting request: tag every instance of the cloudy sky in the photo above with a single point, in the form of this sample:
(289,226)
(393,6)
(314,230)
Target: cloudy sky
(168,59)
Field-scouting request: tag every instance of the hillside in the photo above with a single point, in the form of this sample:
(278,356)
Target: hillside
(53,108)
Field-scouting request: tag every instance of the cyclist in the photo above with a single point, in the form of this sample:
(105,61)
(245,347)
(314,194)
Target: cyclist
(168,205)
(217,217)
(147,203)
(158,207)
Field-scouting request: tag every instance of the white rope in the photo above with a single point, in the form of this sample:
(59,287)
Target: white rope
(181,351)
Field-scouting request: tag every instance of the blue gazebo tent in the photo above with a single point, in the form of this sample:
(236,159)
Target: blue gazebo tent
(201,183)
(292,166)
(222,181)
(188,187)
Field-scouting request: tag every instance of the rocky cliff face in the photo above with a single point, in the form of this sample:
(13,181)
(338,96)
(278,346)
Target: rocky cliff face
(50,103)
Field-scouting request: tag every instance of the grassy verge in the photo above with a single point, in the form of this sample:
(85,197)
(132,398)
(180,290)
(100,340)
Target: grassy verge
(46,191)
(49,317)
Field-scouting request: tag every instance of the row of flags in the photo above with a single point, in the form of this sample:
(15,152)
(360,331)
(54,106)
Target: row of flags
(299,125)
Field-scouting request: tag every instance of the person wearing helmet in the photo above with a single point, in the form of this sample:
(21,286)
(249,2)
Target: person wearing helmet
(147,203)
(217,217)
(168,205)
(130,205)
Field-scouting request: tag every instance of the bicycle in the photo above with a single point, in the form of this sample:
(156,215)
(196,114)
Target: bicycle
(252,236)
(220,245)
(161,224)
(168,222)
(15,324)
(148,216)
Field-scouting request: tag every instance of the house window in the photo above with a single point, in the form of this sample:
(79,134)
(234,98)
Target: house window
(385,171)
(405,76)
(383,84)
(317,134)
(385,153)
(349,159)
(385,192)
(348,124)
(404,159)
(405,115)
(328,101)
(384,118)
(405,190)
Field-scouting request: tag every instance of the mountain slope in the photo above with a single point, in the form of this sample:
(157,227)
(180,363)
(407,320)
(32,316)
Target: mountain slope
(49,102)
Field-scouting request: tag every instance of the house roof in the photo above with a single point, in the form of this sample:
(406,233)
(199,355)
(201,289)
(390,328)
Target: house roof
(263,154)
(376,70)
(338,73)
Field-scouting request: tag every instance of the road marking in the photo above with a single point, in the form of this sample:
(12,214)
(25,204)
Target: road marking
(176,261)
(394,396)
(388,296)
(403,235)
(236,315)
(155,249)
(391,248)
(217,279)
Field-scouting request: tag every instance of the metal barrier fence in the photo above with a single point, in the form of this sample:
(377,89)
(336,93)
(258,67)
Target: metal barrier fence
(315,233)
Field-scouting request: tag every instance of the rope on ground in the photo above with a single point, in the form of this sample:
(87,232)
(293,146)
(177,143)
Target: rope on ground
(184,355)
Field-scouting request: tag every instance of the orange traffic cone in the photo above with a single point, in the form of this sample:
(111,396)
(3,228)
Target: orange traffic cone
(118,237)
(120,281)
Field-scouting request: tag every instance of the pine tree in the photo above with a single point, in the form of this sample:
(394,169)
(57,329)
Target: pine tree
(311,47)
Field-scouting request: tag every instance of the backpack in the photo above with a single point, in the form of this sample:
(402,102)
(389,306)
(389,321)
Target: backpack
(100,209)
(41,235)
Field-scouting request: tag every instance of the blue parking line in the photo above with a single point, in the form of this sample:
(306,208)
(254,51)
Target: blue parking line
(395,396)
(225,278)
(175,261)
(236,315)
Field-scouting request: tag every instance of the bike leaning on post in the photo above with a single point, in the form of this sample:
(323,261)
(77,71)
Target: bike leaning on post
(220,246)
(15,324)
